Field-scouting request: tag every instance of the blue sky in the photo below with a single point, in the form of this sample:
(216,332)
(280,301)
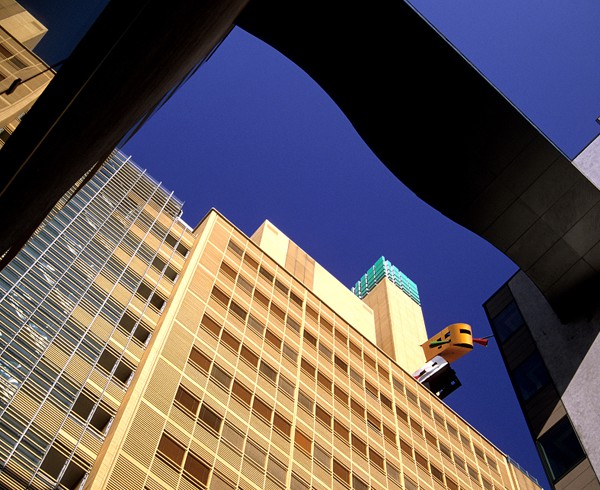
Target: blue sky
(253,136)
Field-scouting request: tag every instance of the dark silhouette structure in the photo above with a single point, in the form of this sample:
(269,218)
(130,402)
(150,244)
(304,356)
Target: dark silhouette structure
(427,113)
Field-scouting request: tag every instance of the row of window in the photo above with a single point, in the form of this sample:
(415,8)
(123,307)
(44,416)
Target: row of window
(369,388)
(261,408)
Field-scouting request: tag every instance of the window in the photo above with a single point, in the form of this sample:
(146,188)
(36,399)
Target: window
(341,337)
(170,448)
(266,274)
(409,484)
(255,453)
(310,338)
(279,422)
(303,441)
(401,414)
(297,483)
(308,367)
(228,271)
(560,449)
(356,376)
(249,356)
(296,299)
(277,312)
(406,448)
(341,471)
(221,376)
(376,458)
(393,472)
(261,298)
(253,263)
(282,287)
(230,340)
(373,422)
(472,472)
(369,361)
(187,400)
(385,401)
(199,359)
(241,392)
(324,381)
(446,451)
(436,472)
(273,339)
(312,314)
(530,376)
(340,363)
(357,408)
(182,249)
(210,418)
(290,353)
(431,439)
(507,322)
(325,351)
(268,371)
(220,296)
(84,405)
(286,386)
(358,484)
(371,390)
(261,408)
(238,311)
(412,397)
(293,324)
(341,394)
(421,460)
(305,402)
(171,273)
(197,468)
(245,285)
(389,434)
(322,456)
(211,325)
(356,349)
(235,248)
(323,416)
(341,431)
(127,322)
(277,469)
(157,301)
(359,445)
(255,325)
(452,485)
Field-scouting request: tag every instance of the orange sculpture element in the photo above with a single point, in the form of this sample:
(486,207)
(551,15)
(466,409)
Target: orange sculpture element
(451,343)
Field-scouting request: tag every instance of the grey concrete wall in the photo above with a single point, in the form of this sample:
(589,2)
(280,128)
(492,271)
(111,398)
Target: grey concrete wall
(572,355)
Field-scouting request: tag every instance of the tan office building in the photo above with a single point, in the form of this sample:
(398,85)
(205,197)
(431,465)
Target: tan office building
(138,353)
(23,75)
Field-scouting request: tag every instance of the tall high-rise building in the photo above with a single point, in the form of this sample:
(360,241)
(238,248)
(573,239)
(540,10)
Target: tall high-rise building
(139,353)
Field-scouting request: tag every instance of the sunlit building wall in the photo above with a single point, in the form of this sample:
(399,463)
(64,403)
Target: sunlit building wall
(77,307)
(138,353)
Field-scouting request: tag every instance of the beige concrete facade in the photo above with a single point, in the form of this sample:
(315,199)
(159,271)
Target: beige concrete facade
(316,278)
(19,34)
(253,381)
(400,325)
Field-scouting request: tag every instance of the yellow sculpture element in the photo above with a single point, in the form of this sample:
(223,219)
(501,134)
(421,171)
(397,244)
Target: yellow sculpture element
(451,343)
